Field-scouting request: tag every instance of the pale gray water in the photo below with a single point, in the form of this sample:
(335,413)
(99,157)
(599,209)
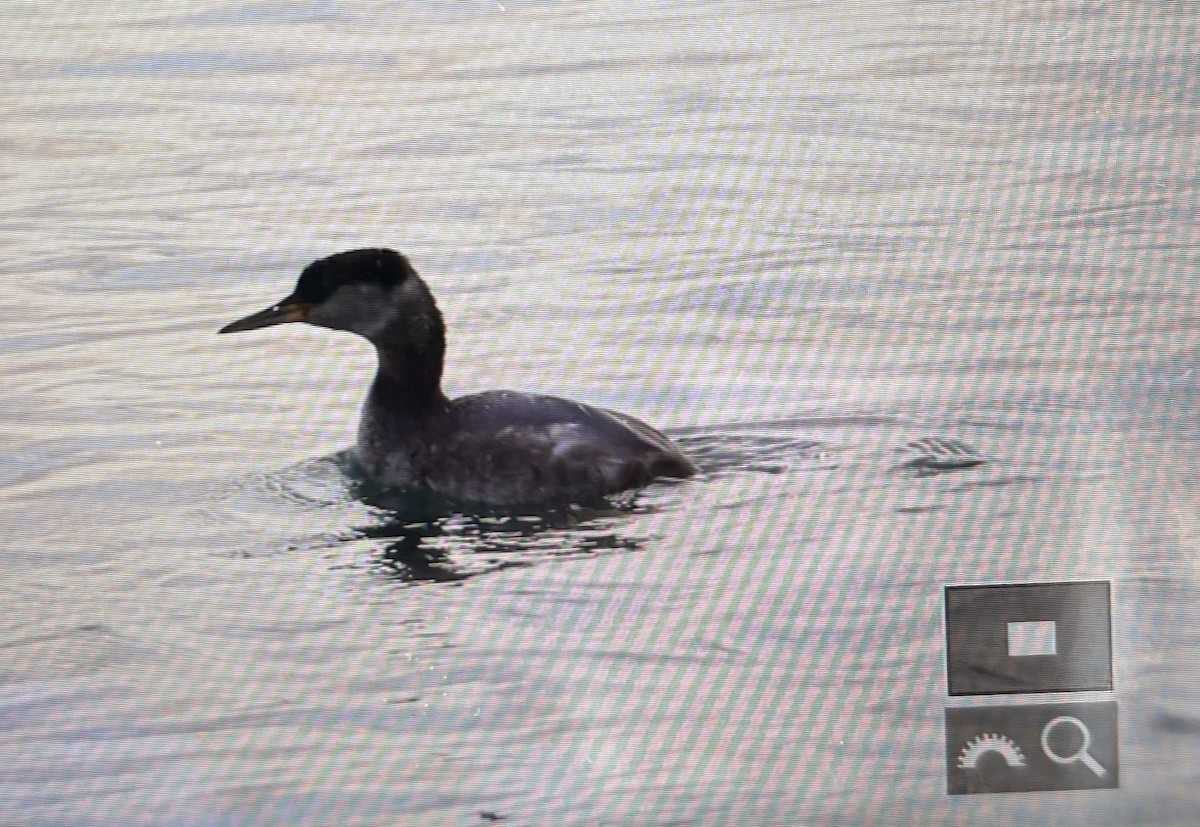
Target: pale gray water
(798,236)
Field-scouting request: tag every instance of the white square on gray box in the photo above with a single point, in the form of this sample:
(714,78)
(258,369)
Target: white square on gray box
(1031,637)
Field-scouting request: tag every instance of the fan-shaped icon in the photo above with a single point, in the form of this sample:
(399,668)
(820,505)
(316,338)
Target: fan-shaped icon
(991,742)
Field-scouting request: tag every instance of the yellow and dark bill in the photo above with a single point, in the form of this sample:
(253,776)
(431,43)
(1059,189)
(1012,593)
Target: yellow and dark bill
(282,313)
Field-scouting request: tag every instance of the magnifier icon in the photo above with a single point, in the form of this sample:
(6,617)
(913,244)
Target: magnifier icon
(1080,754)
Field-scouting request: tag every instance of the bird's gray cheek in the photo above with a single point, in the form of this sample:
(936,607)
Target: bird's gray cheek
(320,316)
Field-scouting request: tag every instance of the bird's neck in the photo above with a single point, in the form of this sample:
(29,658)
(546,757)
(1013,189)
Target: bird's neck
(408,381)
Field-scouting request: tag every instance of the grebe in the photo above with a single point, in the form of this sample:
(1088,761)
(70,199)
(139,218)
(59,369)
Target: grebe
(497,448)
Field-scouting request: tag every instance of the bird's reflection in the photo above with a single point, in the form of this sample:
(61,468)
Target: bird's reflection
(436,541)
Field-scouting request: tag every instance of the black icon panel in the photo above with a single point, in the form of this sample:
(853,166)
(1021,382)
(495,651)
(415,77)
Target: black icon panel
(1028,637)
(1031,747)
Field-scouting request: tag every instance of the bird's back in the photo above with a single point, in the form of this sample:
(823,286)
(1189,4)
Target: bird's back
(508,448)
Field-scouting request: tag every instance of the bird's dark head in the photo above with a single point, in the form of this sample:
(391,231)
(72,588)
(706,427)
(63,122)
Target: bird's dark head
(369,292)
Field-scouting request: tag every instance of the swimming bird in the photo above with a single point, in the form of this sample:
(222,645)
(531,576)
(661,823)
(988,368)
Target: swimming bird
(496,448)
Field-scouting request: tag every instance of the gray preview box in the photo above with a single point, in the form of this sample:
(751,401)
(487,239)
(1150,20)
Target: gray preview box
(1032,747)
(1028,638)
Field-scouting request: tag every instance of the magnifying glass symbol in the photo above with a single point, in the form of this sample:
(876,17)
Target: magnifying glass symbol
(1080,754)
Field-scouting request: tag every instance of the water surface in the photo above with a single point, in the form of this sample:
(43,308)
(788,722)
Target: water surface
(800,237)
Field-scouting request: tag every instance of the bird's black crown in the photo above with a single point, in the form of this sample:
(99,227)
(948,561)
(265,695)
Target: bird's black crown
(373,264)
